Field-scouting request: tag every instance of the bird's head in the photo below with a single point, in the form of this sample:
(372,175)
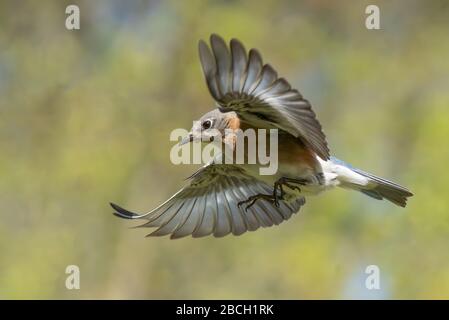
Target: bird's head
(210,126)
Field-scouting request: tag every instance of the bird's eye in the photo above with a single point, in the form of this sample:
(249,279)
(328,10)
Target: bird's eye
(206,124)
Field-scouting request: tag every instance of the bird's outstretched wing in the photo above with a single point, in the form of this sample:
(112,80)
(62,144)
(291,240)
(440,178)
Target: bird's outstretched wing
(209,205)
(240,82)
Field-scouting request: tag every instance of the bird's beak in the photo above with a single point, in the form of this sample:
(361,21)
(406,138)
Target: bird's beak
(188,138)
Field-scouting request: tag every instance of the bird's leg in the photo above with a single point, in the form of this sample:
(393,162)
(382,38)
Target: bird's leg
(288,182)
(276,196)
(252,200)
(278,185)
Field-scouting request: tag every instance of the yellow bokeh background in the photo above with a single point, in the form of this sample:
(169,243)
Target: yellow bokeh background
(85,118)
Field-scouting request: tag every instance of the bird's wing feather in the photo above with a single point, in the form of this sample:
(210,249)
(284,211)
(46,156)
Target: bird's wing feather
(209,205)
(242,83)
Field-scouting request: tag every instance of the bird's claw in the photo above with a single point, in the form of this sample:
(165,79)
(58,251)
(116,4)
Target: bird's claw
(252,200)
(287,182)
(293,187)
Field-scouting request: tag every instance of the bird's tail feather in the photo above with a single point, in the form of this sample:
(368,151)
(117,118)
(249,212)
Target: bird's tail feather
(384,189)
(376,187)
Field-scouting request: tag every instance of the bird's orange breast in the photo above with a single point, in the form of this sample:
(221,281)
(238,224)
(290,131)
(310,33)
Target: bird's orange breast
(291,150)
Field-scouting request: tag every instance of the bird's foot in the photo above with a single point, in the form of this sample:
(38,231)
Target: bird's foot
(252,200)
(289,183)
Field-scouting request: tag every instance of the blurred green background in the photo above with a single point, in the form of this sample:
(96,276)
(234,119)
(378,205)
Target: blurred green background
(85,117)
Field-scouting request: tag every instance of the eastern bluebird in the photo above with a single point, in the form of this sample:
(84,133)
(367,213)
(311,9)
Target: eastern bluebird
(234,198)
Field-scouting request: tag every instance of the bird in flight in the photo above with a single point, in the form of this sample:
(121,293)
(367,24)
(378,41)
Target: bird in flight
(223,198)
